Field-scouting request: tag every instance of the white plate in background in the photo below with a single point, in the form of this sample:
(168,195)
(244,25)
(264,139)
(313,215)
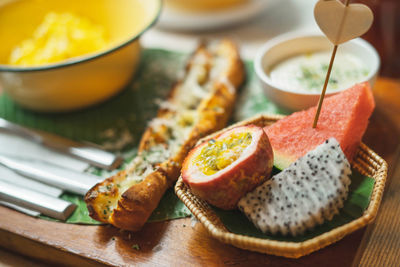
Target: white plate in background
(180,20)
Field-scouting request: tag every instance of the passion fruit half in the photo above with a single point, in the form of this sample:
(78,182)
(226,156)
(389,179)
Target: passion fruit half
(223,169)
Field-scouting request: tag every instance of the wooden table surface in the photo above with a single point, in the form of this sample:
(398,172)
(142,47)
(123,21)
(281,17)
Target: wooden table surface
(178,242)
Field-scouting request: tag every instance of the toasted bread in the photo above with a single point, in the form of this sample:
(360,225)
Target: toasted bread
(199,104)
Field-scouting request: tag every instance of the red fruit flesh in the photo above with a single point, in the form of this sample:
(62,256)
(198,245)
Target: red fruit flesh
(226,186)
(343,116)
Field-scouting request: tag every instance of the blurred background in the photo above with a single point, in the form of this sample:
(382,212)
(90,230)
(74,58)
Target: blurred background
(182,24)
(385,34)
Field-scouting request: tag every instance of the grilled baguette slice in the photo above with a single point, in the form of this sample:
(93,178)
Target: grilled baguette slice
(199,104)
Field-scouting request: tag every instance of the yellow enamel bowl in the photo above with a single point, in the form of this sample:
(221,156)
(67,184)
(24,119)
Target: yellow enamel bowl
(80,81)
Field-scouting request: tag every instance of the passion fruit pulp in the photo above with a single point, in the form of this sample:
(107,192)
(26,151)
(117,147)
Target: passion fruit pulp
(217,155)
(223,169)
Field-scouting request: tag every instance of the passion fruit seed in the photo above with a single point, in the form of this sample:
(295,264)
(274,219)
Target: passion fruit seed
(218,154)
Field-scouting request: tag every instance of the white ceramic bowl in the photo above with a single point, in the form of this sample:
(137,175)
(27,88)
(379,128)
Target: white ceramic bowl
(81,81)
(289,45)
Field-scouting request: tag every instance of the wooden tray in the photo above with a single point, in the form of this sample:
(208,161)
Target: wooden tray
(366,162)
(176,243)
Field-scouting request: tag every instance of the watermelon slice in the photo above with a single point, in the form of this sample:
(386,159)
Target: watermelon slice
(344,116)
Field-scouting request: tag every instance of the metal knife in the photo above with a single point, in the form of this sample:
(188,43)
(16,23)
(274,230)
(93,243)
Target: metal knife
(45,204)
(85,152)
(68,180)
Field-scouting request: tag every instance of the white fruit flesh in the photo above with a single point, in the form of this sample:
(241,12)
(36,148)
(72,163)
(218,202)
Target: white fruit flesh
(307,193)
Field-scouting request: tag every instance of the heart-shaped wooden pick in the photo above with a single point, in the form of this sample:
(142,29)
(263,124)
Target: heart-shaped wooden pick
(342,23)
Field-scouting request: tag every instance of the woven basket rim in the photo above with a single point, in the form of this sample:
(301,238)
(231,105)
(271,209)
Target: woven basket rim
(367,162)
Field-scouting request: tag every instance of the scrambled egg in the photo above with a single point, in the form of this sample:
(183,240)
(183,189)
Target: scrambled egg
(59,37)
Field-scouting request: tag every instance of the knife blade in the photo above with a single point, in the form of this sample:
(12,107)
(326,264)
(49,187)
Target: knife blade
(68,180)
(32,213)
(85,152)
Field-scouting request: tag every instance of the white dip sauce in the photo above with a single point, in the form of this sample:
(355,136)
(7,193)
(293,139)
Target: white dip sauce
(306,73)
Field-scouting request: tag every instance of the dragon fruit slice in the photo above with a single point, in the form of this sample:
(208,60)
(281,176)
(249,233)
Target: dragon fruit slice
(308,192)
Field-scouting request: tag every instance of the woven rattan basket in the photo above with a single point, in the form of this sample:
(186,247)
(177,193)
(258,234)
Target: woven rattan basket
(367,162)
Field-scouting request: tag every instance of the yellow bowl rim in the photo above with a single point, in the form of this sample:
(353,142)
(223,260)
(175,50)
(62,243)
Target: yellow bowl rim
(80,59)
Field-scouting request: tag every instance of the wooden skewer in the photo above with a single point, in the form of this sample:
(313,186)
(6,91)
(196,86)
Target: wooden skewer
(328,74)
(321,97)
